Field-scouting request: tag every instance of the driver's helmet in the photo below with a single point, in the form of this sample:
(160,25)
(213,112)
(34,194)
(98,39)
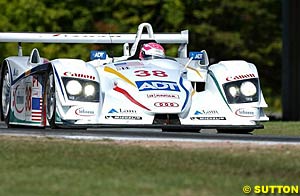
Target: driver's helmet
(152,50)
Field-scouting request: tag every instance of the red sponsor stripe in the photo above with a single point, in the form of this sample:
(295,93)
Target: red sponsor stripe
(124,92)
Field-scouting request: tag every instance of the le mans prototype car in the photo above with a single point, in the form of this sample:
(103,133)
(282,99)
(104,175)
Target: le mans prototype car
(183,93)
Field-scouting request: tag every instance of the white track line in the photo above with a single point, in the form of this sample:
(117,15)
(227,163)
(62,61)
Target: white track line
(114,138)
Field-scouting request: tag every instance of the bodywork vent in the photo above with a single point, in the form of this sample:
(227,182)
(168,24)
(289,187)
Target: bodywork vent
(166,119)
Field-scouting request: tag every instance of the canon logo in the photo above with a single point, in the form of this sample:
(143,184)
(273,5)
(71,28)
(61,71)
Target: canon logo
(79,75)
(240,77)
(166,104)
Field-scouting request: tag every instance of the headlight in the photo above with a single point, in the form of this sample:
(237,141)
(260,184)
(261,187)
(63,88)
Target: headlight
(248,89)
(233,90)
(242,91)
(73,87)
(81,89)
(89,90)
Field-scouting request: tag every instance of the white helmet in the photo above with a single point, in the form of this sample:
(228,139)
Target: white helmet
(152,50)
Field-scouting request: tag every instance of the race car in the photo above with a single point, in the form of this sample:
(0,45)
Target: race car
(183,93)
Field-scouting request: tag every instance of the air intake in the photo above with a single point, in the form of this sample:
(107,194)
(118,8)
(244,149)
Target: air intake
(166,119)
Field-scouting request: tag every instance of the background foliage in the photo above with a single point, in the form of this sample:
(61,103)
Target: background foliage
(227,29)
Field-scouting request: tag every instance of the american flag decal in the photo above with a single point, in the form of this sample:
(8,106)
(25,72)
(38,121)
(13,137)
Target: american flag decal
(36,112)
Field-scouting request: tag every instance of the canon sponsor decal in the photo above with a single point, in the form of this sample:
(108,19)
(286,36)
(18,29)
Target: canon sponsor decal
(84,112)
(244,113)
(79,75)
(240,77)
(166,104)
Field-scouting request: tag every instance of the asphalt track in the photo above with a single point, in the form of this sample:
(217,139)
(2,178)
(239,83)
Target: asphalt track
(138,134)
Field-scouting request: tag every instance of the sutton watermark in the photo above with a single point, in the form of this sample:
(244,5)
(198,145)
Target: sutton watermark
(271,189)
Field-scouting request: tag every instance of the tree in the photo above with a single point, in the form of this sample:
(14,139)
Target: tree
(227,29)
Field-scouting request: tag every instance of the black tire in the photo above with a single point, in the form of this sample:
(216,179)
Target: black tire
(235,131)
(5,96)
(50,99)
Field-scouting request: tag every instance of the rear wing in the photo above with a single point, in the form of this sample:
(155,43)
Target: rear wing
(109,38)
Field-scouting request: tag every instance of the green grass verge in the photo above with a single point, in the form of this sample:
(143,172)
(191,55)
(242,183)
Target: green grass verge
(280,128)
(45,167)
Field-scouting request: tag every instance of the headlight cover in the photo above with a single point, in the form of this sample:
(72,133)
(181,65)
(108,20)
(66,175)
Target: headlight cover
(242,91)
(89,90)
(81,89)
(73,87)
(248,89)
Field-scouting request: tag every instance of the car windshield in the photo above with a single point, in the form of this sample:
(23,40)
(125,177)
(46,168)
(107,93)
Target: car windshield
(149,57)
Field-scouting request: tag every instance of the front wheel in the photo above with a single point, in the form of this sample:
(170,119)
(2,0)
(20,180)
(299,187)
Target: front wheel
(50,99)
(5,84)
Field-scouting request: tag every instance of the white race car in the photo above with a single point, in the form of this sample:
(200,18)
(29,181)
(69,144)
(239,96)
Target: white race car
(183,93)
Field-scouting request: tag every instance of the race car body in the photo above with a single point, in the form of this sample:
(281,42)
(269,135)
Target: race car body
(180,93)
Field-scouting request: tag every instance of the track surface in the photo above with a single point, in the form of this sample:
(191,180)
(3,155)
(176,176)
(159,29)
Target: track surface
(148,135)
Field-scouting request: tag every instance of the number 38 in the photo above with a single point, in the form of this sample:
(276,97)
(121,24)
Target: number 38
(145,73)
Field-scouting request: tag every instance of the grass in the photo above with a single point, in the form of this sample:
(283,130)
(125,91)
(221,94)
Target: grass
(36,166)
(280,128)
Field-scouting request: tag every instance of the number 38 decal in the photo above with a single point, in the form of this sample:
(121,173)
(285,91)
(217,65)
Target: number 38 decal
(28,94)
(145,73)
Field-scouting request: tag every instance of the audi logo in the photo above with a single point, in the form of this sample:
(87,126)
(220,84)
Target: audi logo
(166,104)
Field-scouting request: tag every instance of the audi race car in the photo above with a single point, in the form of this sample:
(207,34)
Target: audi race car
(183,93)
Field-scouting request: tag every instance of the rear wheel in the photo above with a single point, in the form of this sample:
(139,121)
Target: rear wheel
(5,84)
(50,100)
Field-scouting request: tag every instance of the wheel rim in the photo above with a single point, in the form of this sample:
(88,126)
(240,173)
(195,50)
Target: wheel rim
(50,97)
(5,93)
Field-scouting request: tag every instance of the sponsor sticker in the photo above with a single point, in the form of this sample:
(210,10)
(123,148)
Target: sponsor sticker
(124,117)
(150,85)
(206,112)
(37,107)
(166,104)
(18,99)
(196,55)
(135,63)
(79,75)
(157,95)
(98,54)
(122,68)
(244,112)
(208,118)
(84,112)
(121,111)
(240,77)
(120,64)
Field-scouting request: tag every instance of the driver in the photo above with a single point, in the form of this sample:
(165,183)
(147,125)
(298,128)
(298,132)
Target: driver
(151,51)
